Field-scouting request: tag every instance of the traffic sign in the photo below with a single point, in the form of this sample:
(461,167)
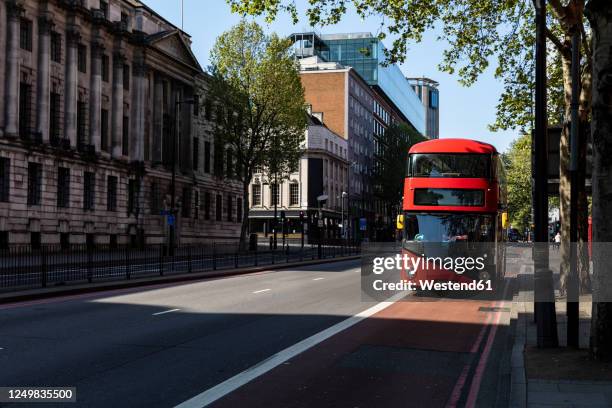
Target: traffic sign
(363,224)
(170,220)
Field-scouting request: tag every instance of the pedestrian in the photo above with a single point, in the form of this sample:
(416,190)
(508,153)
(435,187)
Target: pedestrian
(557,240)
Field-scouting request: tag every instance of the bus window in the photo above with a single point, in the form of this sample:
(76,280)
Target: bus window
(449,227)
(450,165)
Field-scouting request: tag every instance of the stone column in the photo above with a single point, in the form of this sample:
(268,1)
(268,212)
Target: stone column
(71,83)
(42,94)
(158,120)
(95,95)
(13,11)
(117,105)
(138,109)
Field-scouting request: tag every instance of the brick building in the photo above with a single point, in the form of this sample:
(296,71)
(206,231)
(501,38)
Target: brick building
(98,100)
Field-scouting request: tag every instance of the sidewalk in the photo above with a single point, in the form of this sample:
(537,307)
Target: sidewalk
(555,377)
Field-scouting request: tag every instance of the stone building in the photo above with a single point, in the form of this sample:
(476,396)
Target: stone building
(322,171)
(99,102)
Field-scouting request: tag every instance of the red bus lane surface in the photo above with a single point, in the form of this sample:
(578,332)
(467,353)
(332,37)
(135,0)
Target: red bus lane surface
(422,352)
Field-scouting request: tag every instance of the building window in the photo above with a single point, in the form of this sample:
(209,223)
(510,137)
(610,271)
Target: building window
(5,179)
(125,137)
(196,153)
(207,157)
(105,67)
(256,194)
(54,116)
(64,241)
(104,8)
(125,19)
(186,207)
(218,159)
(229,209)
(132,207)
(89,190)
(218,209)
(63,187)
(81,124)
(82,58)
(111,193)
(196,204)
(25,35)
(34,183)
(104,129)
(239,209)
(126,77)
(4,240)
(274,194)
(35,241)
(229,164)
(25,109)
(113,241)
(155,199)
(207,205)
(294,194)
(56,47)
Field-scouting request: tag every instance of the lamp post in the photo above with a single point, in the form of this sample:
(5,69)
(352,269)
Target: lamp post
(544,295)
(172,227)
(342,195)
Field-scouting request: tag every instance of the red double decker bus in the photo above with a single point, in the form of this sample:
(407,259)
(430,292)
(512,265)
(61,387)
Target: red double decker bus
(455,200)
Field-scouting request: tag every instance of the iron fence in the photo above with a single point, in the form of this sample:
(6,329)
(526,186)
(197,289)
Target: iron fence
(22,267)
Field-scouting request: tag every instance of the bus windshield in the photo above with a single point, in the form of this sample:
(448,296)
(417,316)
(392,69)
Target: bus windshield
(448,227)
(449,165)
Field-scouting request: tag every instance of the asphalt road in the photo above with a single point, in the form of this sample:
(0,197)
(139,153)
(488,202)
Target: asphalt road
(162,346)
(134,349)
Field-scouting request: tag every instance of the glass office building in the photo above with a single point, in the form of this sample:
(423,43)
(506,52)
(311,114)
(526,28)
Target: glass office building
(365,53)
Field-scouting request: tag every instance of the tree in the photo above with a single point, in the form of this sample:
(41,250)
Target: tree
(391,155)
(599,13)
(518,172)
(261,113)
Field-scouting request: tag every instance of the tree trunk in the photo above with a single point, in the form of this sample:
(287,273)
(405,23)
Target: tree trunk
(583,204)
(245,215)
(564,173)
(599,14)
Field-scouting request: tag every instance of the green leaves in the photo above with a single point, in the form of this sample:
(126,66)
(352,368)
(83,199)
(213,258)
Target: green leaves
(518,173)
(256,85)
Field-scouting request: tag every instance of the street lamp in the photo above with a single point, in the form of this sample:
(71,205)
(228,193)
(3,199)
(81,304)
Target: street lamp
(342,196)
(172,226)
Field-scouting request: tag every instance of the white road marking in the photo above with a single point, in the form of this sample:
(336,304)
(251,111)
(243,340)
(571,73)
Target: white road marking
(316,279)
(261,291)
(220,390)
(166,311)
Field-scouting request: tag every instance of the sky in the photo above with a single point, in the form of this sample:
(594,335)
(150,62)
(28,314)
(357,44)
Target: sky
(465,112)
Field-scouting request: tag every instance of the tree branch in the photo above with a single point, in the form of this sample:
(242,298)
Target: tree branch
(558,44)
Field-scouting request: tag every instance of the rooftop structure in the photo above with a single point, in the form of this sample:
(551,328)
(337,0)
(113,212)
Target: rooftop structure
(366,54)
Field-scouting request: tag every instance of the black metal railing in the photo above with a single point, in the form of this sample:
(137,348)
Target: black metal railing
(24,267)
